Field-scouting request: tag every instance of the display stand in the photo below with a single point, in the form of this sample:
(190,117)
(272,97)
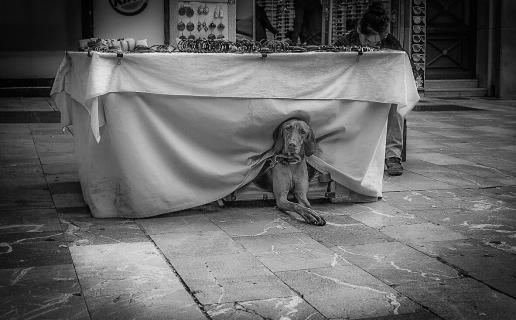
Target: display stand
(321,187)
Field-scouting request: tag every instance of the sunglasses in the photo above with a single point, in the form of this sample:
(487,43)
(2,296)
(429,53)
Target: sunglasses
(418,19)
(418,48)
(418,38)
(418,57)
(418,29)
(418,10)
(419,66)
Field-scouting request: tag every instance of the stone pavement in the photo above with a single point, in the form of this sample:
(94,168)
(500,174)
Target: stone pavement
(441,244)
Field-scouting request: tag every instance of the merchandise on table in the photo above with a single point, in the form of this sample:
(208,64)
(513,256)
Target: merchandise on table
(211,46)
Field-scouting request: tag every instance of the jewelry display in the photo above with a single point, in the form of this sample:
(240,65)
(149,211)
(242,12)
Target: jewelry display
(181,26)
(182,10)
(198,45)
(190,26)
(191,12)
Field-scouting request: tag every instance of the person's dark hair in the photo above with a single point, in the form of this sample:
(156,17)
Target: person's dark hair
(375,17)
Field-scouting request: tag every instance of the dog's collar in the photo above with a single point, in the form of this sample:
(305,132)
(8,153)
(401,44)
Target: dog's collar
(285,159)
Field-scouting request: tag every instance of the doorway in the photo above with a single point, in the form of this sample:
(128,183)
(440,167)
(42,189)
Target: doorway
(450,39)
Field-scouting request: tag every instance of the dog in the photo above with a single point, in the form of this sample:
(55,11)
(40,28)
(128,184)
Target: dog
(287,170)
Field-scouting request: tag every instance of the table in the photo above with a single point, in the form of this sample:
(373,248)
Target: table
(159,132)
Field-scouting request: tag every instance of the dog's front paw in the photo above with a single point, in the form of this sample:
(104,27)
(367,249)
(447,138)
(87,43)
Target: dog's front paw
(320,221)
(315,218)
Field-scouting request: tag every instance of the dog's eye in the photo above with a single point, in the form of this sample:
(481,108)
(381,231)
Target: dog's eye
(302,131)
(289,128)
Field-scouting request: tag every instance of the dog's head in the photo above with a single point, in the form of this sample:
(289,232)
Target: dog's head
(294,136)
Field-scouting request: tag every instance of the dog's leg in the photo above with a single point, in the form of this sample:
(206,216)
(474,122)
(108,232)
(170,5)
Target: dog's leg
(301,198)
(281,184)
(309,215)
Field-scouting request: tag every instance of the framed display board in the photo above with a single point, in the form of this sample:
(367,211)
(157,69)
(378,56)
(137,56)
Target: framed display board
(205,19)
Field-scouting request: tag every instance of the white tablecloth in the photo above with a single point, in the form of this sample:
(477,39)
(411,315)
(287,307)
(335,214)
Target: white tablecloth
(164,132)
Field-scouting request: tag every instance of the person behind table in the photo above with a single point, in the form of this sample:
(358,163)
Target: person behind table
(262,23)
(307,22)
(372,31)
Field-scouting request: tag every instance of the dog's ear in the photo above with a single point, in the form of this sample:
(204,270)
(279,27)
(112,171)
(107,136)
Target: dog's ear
(309,144)
(277,136)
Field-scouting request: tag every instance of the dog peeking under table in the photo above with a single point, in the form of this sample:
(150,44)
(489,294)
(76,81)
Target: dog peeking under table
(287,170)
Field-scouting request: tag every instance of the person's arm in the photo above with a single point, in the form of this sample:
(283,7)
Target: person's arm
(346,40)
(298,20)
(392,43)
(266,22)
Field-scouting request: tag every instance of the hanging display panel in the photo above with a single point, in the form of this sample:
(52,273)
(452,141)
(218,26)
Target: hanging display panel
(202,20)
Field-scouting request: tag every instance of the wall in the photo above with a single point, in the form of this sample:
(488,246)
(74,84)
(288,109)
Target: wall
(149,24)
(485,46)
(35,35)
(507,63)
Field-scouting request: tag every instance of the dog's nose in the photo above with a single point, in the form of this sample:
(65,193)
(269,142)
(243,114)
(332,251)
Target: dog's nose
(291,145)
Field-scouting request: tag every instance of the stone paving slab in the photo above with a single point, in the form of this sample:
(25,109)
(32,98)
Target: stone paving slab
(21,176)
(421,233)
(29,220)
(242,222)
(347,292)
(15,130)
(395,263)
(201,243)
(83,229)
(19,250)
(464,180)
(62,177)
(131,281)
(485,263)
(294,308)
(23,197)
(504,193)
(497,162)
(282,252)
(56,157)
(182,223)
(25,103)
(461,299)
(59,147)
(57,137)
(50,169)
(64,187)
(217,279)
(419,315)
(64,200)
(44,292)
(424,200)
(342,230)
(413,181)
(380,214)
